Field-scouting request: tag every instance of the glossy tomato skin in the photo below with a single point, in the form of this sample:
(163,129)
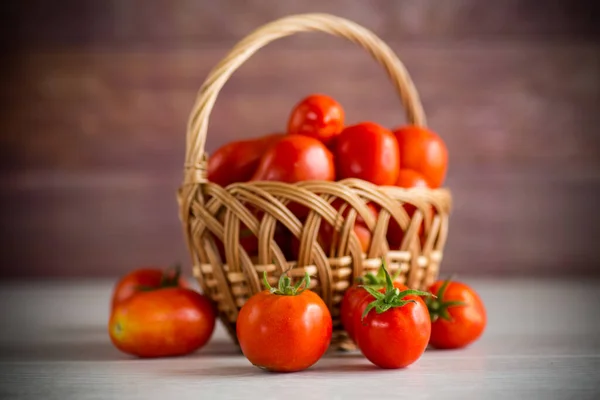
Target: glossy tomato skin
(318,116)
(237,161)
(468,322)
(353,298)
(296,158)
(423,151)
(284,333)
(132,283)
(367,151)
(162,323)
(395,338)
(407,178)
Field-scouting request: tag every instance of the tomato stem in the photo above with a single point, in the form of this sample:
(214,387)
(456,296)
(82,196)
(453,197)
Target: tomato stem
(284,286)
(391,297)
(438,308)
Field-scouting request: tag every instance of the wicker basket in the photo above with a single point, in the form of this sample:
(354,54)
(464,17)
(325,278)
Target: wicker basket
(211,213)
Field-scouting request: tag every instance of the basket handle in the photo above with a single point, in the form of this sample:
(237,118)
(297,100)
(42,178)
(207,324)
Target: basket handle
(195,159)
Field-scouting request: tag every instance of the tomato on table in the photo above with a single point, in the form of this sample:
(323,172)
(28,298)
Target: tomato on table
(458,315)
(296,158)
(356,293)
(162,323)
(237,161)
(318,116)
(367,151)
(423,151)
(392,326)
(284,329)
(144,279)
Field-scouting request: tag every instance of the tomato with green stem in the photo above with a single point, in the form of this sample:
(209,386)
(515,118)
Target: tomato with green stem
(356,293)
(392,326)
(284,329)
(458,316)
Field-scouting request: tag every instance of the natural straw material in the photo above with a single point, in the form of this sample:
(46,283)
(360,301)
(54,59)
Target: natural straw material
(211,215)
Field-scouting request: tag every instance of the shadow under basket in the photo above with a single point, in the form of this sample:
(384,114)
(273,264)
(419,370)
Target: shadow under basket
(236,233)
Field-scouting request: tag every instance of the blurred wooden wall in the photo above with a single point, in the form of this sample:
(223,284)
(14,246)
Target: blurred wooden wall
(95,95)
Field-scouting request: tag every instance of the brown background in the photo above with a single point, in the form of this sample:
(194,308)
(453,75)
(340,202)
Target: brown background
(95,96)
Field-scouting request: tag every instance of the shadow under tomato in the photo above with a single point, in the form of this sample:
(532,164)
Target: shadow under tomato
(219,348)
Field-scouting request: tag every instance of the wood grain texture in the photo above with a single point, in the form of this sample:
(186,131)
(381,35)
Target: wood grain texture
(62,351)
(95,97)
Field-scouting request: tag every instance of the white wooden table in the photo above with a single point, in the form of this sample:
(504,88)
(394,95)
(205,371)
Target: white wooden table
(542,342)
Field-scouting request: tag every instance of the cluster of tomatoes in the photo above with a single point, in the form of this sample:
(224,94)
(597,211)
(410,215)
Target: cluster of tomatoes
(317,145)
(288,328)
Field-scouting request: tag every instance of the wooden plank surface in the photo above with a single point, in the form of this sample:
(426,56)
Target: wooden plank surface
(61,351)
(95,98)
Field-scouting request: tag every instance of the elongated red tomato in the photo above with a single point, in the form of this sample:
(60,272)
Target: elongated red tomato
(237,161)
(458,315)
(392,327)
(318,116)
(296,158)
(162,323)
(423,151)
(285,329)
(367,151)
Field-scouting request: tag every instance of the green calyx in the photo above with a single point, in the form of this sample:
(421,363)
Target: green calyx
(285,287)
(438,308)
(392,297)
(376,280)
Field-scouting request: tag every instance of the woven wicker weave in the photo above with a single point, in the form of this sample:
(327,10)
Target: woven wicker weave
(210,213)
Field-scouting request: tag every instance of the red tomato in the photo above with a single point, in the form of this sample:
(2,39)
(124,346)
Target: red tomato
(162,323)
(296,158)
(395,332)
(237,161)
(317,116)
(354,296)
(407,178)
(367,151)
(458,315)
(424,152)
(145,279)
(284,330)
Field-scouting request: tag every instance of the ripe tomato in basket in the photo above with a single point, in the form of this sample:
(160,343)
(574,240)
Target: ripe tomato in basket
(237,161)
(144,279)
(162,323)
(367,151)
(296,158)
(423,151)
(355,294)
(284,329)
(407,178)
(458,315)
(392,326)
(318,116)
